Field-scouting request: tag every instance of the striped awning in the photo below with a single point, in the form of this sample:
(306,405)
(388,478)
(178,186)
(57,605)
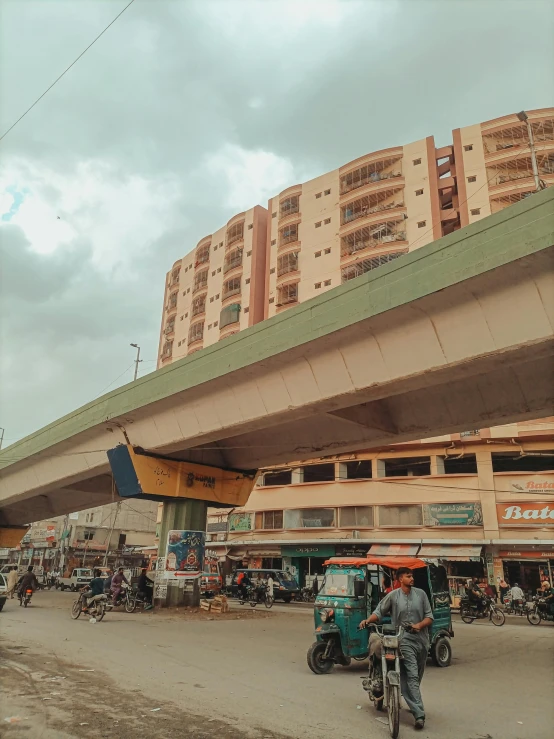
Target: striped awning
(451,553)
(393,550)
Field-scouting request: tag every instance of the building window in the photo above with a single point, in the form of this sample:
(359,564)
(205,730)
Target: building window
(247,310)
(274,215)
(272,271)
(181,318)
(358,470)
(319,473)
(211,299)
(318,224)
(466,465)
(217,296)
(288,234)
(186,315)
(407,466)
(288,294)
(269,520)
(277,477)
(317,285)
(468,147)
(230,314)
(354,516)
(250,226)
(473,178)
(287,263)
(510,462)
(327,251)
(475,211)
(231,287)
(272,300)
(219,269)
(216,323)
(273,242)
(417,161)
(421,224)
(327,283)
(198,305)
(310,518)
(400,515)
(419,192)
(327,192)
(289,206)
(215,247)
(247,280)
(209,327)
(196,332)
(317,254)
(327,221)
(318,194)
(213,273)
(248,253)
(88,534)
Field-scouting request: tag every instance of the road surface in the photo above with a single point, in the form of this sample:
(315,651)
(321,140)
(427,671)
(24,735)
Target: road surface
(248,677)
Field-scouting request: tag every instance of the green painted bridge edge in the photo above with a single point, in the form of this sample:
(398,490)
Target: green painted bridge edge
(515,232)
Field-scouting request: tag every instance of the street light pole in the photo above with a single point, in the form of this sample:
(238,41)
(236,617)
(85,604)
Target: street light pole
(1,437)
(524,118)
(137,360)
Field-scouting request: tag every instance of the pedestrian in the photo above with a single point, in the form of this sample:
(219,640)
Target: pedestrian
(408,604)
(504,587)
(270,583)
(494,592)
(12,582)
(315,586)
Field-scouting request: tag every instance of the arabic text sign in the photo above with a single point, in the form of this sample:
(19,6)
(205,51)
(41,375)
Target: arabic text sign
(452,514)
(525,514)
(185,554)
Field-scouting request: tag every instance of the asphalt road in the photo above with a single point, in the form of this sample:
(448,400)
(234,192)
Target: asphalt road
(248,677)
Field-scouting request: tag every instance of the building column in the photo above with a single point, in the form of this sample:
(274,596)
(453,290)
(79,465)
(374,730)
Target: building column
(378,468)
(487,494)
(183,514)
(437,465)
(297,475)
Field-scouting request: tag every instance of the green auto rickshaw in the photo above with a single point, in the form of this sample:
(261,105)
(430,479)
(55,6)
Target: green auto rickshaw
(350,592)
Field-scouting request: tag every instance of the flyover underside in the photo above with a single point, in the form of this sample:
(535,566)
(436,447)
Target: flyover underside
(476,354)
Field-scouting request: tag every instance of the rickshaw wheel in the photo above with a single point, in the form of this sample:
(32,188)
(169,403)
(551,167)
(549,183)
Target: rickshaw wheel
(316,662)
(441,652)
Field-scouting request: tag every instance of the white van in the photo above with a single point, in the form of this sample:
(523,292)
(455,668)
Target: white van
(79,577)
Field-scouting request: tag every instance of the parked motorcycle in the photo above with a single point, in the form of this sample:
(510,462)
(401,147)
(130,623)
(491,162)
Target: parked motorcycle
(25,597)
(539,611)
(97,608)
(383,682)
(470,612)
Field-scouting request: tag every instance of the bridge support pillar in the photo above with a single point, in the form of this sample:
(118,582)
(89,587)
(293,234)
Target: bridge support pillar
(183,514)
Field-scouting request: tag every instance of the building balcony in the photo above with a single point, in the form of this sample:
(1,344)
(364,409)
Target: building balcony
(229,315)
(372,204)
(235,235)
(169,329)
(232,261)
(196,332)
(361,266)
(287,295)
(289,206)
(370,237)
(167,350)
(172,303)
(231,287)
(198,306)
(372,173)
(287,264)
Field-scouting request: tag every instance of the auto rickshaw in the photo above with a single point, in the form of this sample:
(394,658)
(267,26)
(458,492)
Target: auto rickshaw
(350,592)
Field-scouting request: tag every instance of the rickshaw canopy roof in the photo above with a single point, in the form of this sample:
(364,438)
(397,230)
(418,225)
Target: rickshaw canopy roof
(392,562)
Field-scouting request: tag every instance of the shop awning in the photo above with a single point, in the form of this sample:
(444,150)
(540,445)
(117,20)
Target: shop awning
(393,550)
(451,552)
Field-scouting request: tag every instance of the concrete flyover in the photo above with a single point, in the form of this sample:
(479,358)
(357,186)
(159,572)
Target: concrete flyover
(456,335)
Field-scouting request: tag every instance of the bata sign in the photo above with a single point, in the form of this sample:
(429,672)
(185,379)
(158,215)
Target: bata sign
(531,486)
(525,514)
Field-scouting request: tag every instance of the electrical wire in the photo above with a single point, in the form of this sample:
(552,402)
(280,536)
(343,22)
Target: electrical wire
(65,71)
(114,381)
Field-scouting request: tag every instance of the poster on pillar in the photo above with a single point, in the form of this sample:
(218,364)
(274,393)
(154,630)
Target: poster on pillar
(185,554)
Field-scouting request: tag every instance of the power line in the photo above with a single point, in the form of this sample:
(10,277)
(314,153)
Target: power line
(65,71)
(113,381)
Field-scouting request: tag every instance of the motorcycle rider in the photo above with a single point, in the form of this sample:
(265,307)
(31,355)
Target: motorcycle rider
(408,604)
(517,596)
(28,581)
(547,592)
(94,590)
(473,592)
(117,584)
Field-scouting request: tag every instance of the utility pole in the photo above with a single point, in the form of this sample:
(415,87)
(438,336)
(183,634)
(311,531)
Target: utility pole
(137,360)
(524,118)
(117,507)
(1,436)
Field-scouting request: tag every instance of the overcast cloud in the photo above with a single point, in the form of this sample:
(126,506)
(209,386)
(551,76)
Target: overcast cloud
(185,113)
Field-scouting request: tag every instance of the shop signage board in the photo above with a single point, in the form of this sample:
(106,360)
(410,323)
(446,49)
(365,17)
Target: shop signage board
(309,550)
(352,551)
(526,554)
(533,484)
(185,554)
(240,522)
(452,514)
(525,514)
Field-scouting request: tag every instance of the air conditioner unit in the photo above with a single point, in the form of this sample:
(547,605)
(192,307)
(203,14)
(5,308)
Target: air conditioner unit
(355,534)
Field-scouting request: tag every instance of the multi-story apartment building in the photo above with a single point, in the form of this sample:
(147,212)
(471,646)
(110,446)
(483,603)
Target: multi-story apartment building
(216,290)
(327,231)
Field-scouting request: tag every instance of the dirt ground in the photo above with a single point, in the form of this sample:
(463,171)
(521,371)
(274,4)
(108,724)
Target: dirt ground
(60,700)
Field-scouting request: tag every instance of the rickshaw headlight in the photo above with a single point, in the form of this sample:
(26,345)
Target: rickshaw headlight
(326,615)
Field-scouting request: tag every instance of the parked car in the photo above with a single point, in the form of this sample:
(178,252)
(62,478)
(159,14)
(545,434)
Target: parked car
(79,577)
(285,586)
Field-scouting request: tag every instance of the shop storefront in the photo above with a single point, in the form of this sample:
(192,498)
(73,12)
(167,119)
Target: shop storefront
(304,562)
(528,567)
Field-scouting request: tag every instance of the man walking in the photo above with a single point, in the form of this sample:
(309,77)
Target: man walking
(13,577)
(408,604)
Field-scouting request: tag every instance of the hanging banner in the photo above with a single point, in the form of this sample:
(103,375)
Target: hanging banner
(452,514)
(240,522)
(525,514)
(185,554)
(147,476)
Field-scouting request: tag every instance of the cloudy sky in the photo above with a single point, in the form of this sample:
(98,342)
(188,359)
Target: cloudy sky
(186,112)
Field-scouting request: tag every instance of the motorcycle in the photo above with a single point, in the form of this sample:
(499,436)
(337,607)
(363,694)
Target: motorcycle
(469,611)
(539,611)
(96,610)
(517,607)
(25,597)
(383,682)
(260,595)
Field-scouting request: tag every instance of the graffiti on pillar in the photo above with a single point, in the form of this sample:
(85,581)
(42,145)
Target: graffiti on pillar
(160,590)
